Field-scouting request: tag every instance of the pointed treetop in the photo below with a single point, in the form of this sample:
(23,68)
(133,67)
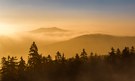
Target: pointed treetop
(33,47)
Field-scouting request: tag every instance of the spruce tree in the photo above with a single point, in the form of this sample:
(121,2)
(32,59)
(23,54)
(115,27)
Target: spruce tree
(34,59)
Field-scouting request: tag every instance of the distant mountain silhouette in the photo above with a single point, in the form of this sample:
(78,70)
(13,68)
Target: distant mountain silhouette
(45,30)
(98,43)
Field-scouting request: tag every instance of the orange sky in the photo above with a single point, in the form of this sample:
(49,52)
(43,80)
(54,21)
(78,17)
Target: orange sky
(99,17)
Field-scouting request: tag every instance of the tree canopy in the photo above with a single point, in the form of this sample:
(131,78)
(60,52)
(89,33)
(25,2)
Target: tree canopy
(117,65)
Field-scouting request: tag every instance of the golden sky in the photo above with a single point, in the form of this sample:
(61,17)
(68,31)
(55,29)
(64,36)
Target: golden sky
(111,17)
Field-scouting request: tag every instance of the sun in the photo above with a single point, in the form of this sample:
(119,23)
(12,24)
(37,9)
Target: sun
(6,29)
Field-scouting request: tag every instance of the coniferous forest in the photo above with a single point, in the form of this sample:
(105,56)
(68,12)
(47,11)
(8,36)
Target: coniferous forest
(117,65)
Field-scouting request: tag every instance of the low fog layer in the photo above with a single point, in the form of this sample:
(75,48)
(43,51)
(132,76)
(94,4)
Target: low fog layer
(51,40)
(96,43)
(19,43)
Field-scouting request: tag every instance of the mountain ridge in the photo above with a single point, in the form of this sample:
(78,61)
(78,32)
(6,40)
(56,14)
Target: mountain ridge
(98,43)
(51,29)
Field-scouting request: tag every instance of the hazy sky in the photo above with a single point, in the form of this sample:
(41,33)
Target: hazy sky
(96,16)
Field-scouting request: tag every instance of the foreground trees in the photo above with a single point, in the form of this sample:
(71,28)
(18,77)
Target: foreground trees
(118,65)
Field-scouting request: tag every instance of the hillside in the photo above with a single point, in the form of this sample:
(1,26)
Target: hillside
(19,43)
(97,43)
(47,30)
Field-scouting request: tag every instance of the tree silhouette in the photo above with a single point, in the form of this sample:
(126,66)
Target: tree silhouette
(34,58)
(126,52)
(21,70)
(83,55)
(34,62)
(111,67)
(58,57)
(9,69)
(4,70)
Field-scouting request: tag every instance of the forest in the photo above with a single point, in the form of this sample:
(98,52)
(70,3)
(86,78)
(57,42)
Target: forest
(117,65)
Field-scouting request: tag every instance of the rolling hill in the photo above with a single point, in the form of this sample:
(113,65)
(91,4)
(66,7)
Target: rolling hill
(97,43)
(19,43)
(69,43)
(47,30)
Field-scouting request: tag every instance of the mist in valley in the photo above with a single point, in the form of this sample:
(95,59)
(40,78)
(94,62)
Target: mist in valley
(64,55)
(18,44)
(116,65)
(67,40)
(51,40)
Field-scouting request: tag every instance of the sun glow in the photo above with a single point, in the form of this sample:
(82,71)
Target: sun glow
(6,29)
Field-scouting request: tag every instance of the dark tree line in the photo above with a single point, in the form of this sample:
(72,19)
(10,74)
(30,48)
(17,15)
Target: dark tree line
(118,65)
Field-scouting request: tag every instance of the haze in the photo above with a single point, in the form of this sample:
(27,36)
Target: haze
(67,40)
(115,17)
(18,18)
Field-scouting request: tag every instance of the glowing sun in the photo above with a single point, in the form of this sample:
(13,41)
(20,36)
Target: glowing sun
(6,29)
